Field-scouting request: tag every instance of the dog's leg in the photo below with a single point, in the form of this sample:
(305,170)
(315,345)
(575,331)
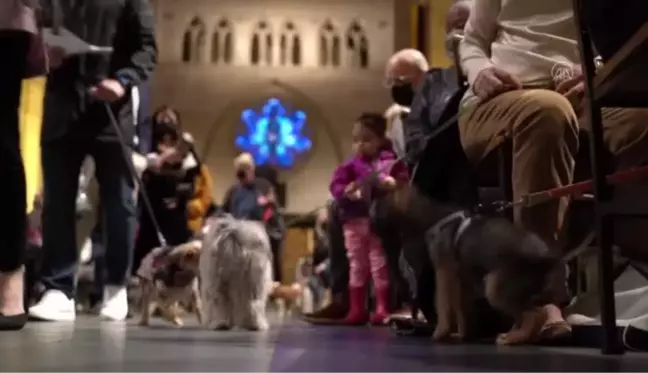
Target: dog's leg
(220,312)
(444,278)
(255,317)
(147,292)
(197,303)
(254,303)
(173,313)
(456,299)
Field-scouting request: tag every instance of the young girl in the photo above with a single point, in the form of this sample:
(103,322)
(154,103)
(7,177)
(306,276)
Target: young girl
(364,250)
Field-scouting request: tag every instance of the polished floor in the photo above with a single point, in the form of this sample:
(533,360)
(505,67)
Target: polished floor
(89,345)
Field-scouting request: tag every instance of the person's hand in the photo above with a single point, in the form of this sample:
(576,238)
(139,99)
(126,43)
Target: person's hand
(352,191)
(56,56)
(166,156)
(387,183)
(170,155)
(572,87)
(263,200)
(108,90)
(492,81)
(320,268)
(574,90)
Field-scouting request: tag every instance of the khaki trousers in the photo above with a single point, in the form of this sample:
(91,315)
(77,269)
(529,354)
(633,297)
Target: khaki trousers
(544,128)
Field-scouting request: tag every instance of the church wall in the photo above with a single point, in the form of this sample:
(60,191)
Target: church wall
(211,96)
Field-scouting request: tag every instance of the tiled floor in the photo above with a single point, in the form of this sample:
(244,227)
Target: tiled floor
(90,345)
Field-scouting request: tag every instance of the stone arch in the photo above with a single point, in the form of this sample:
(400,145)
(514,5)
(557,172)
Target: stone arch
(357,45)
(193,43)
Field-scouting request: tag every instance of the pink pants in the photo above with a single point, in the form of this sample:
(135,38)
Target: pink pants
(366,255)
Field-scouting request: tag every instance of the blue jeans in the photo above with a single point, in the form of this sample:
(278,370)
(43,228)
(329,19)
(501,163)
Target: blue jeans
(62,161)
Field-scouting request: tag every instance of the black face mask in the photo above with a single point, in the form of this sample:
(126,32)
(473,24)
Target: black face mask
(240,174)
(403,94)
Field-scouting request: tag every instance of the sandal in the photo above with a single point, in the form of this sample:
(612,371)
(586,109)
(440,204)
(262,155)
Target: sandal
(554,333)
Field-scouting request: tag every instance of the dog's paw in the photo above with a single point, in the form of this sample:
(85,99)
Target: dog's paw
(177,322)
(263,325)
(258,325)
(222,327)
(143,323)
(441,333)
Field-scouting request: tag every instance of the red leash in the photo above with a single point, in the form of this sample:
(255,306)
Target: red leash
(620,177)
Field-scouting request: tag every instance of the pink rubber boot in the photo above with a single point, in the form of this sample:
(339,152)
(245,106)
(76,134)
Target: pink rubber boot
(382,307)
(357,307)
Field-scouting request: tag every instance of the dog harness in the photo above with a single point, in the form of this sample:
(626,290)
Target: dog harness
(462,216)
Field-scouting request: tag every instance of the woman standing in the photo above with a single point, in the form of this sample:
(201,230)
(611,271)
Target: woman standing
(169,182)
(23,55)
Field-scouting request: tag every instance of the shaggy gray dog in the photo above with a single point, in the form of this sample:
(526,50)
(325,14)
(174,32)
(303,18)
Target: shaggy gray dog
(235,274)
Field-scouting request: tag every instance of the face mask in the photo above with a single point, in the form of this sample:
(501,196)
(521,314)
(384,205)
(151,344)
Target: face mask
(403,94)
(240,174)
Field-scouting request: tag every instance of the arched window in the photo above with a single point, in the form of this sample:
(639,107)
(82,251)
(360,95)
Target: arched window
(193,45)
(262,45)
(329,45)
(222,43)
(357,46)
(290,45)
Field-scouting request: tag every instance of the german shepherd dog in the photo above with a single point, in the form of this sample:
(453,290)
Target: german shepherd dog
(475,254)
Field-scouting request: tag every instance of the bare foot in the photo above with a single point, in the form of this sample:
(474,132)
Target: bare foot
(11,293)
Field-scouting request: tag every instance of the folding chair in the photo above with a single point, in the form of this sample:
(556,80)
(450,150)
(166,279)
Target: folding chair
(622,82)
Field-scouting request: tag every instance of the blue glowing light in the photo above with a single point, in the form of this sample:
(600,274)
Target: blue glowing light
(274,135)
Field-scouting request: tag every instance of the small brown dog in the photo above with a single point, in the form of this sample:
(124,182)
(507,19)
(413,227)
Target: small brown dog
(165,280)
(475,254)
(286,297)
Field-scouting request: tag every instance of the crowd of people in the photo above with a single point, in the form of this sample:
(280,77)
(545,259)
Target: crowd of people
(524,84)
(507,51)
(93,108)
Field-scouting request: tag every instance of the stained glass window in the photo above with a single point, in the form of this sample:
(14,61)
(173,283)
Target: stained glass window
(273,134)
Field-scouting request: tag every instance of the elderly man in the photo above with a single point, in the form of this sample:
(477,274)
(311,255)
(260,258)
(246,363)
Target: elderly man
(405,74)
(522,63)
(253,198)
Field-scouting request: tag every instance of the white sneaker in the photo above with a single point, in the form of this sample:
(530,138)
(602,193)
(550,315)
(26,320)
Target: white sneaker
(54,306)
(115,304)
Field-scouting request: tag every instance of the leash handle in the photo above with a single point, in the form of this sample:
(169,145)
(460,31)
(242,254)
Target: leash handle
(140,184)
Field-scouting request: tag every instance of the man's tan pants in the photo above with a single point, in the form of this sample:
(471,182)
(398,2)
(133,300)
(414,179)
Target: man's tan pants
(543,128)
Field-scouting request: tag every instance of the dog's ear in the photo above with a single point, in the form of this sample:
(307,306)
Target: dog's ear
(185,250)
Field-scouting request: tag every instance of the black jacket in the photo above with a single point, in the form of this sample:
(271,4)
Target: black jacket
(436,101)
(127,26)
(442,170)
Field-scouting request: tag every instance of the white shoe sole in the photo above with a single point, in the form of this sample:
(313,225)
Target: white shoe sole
(48,316)
(110,317)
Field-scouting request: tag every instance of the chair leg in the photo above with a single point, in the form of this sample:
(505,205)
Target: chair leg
(611,343)
(603,193)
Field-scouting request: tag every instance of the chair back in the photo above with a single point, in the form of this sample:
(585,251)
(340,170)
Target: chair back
(623,17)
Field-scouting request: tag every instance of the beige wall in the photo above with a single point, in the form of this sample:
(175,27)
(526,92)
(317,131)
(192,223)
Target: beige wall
(211,97)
